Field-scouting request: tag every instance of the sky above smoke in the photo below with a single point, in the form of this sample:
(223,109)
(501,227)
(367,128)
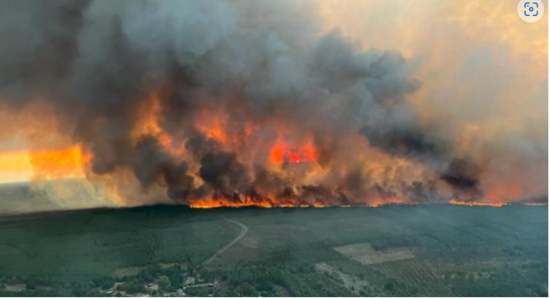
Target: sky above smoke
(484,77)
(289,101)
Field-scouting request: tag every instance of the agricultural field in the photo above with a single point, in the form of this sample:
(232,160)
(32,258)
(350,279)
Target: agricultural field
(435,250)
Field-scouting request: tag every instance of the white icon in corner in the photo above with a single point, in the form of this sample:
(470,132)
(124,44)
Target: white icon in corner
(530,11)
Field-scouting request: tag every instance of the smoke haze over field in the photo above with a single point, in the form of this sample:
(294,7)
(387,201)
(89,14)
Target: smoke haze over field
(272,103)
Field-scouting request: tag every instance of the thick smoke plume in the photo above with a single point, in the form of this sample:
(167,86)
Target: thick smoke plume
(240,101)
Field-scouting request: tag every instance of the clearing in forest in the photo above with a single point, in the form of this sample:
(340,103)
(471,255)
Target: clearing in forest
(365,254)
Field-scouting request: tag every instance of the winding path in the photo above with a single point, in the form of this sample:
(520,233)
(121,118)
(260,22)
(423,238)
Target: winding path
(228,245)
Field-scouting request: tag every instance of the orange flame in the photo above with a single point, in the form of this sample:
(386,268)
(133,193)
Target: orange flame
(476,203)
(56,164)
(281,151)
(275,203)
(386,201)
(219,203)
(45,165)
(149,123)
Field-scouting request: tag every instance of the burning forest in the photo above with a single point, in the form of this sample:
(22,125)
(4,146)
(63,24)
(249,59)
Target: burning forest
(234,103)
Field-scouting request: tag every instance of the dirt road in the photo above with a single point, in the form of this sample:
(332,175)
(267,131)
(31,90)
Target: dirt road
(228,245)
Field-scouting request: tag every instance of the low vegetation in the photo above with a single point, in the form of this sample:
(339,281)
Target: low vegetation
(388,251)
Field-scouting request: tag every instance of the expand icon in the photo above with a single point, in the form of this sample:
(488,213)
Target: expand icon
(530,11)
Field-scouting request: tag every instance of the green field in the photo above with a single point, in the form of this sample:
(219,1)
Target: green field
(437,250)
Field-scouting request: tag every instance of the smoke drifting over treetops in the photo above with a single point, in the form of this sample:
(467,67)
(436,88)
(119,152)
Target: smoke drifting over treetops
(244,101)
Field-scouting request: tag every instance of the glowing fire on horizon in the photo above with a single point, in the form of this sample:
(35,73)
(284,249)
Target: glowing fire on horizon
(66,163)
(476,203)
(73,161)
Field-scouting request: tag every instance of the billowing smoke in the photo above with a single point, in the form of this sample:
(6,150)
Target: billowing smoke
(230,100)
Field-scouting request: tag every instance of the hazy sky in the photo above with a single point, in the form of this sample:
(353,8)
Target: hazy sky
(483,71)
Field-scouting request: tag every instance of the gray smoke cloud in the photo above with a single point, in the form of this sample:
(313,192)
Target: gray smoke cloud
(94,61)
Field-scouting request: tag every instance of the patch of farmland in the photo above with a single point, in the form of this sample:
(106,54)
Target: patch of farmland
(417,275)
(352,283)
(365,254)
